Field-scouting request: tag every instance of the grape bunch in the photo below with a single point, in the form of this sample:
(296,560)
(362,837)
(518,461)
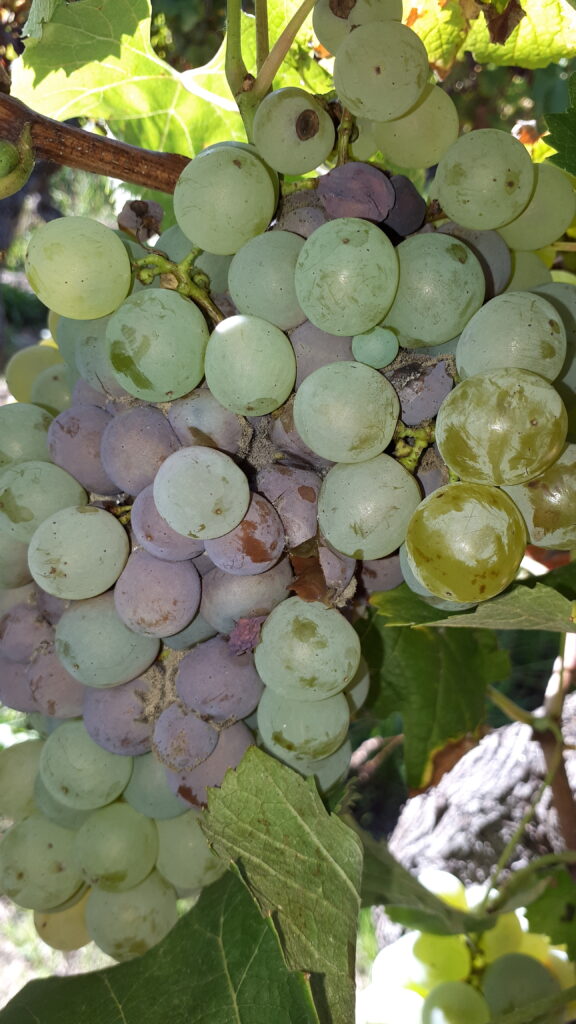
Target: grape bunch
(451,979)
(217,462)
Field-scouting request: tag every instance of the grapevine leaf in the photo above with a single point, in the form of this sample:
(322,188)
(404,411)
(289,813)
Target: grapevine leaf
(544,36)
(562,128)
(442,27)
(540,1010)
(385,881)
(436,680)
(302,865)
(554,912)
(95,60)
(402,607)
(521,607)
(40,12)
(220,963)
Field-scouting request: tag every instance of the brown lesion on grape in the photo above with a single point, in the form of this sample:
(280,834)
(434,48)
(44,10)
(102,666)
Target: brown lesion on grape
(307,125)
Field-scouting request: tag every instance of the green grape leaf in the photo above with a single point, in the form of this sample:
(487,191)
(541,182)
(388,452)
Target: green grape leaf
(402,607)
(95,60)
(544,36)
(385,881)
(436,680)
(521,607)
(554,912)
(221,963)
(442,27)
(302,865)
(562,129)
(40,13)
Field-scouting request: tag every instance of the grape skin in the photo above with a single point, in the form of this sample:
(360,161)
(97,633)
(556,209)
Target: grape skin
(155,597)
(215,683)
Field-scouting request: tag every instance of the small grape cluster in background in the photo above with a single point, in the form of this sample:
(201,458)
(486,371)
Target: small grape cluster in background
(450,979)
(234,468)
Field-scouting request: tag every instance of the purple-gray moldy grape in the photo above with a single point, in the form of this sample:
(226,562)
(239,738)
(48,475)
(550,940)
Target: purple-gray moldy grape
(284,435)
(409,210)
(199,419)
(182,740)
(74,440)
(356,189)
(154,534)
(84,394)
(338,569)
(22,630)
(113,717)
(55,692)
(15,689)
(302,220)
(192,785)
(50,606)
(492,252)
(156,597)
(314,348)
(227,598)
(134,446)
(214,682)
(421,390)
(253,546)
(380,574)
(294,494)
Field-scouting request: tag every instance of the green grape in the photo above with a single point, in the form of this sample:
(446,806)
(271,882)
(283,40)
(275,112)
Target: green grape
(364,508)
(535,945)
(250,365)
(78,552)
(563,297)
(423,134)
(346,276)
(79,773)
(548,214)
(485,179)
(516,980)
(23,434)
(201,492)
(148,791)
(307,651)
(55,810)
(346,412)
(224,197)
(52,388)
(513,329)
(445,885)
(438,958)
(441,286)
(37,865)
(184,857)
(363,145)
(77,267)
(14,571)
(292,131)
(465,542)
(504,937)
(24,366)
(455,1002)
(32,491)
(156,342)
(250,148)
(504,426)
(299,732)
(377,347)
(97,648)
(261,278)
(84,347)
(528,271)
(328,771)
(127,924)
(176,245)
(381,70)
(392,1005)
(393,964)
(18,767)
(547,503)
(356,691)
(330,28)
(116,847)
(64,930)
